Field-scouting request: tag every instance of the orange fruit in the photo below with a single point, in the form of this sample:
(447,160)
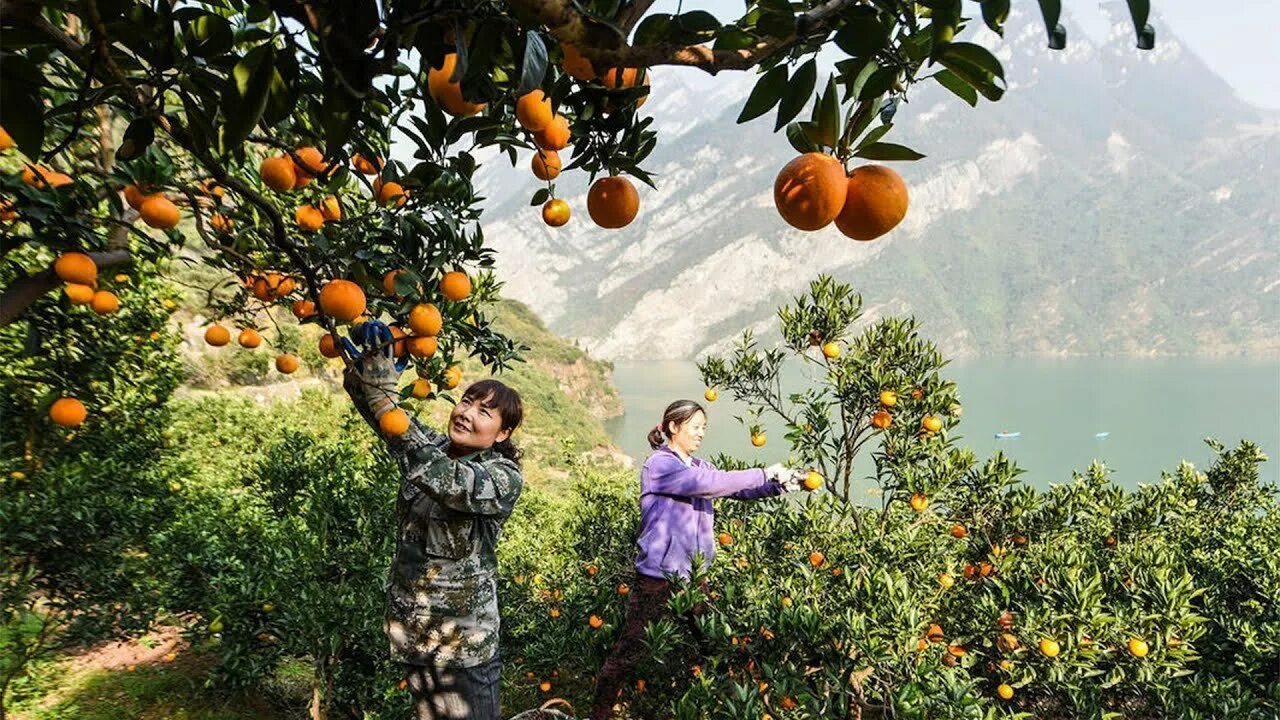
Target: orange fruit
(626,79)
(342,299)
(391,193)
(220,223)
(423,346)
(452,377)
(285,286)
(303,309)
(831,351)
(575,65)
(595,622)
(816,559)
(420,389)
(931,423)
(286,363)
(278,173)
(544,686)
(725,539)
(209,186)
(76,267)
(7,211)
(934,633)
(1019,540)
(613,202)
(309,217)
(946,580)
(389,283)
(1049,647)
(959,531)
(312,165)
(331,208)
(40,176)
(919,502)
(555,212)
(329,346)
(67,412)
(813,480)
(881,420)
(394,423)
(1004,691)
(217,336)
(875,202)
(758,439)
(365,166)
(623,589)
(446,92)
(1138,647)
(810,191)
(533,110)
(1008,642)
(134,196)
(917,394)
(399,336)
(888,398)
(159,212)
(455,286)
(555,612)
(545,164)
(249,338)
(104,303)
(555,136)
(425,319)
(6,142)
(711,395)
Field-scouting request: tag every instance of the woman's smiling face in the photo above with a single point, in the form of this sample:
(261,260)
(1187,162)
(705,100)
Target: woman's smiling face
(688,435)
(476,425)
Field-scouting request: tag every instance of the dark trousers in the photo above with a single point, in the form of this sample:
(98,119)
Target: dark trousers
(648,602)
(442,693)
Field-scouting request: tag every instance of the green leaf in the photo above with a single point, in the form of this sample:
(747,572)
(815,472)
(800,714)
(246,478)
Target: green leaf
(766,94)
(776,24)
(534,66)
(339,111)
(975,65)
(868,69)
(994,14)
(962,89)
(875,135)
(799,138)
(798,92)
(828,114)
(693,27)
(137,138)
(734,38)
(246,97)
(209,35)
(862,35)
(21,110)
(540,197)
(886,151)
(283,96)
(652,30)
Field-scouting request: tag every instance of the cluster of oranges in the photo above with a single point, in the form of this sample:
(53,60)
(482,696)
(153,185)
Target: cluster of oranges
(79,274)
(813,190)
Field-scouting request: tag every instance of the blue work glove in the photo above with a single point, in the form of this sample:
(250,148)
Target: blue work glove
(374,374)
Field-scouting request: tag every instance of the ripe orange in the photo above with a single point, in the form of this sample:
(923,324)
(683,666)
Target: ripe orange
(78,294)
(1004,691)
(919,502)
(640,685)
(1008,642)
(425,319)
(159,212)
(623,589)
(710,395)
(455,286)
(309,217)
(391,193)
(758,439)
(931,423)
(575,65)
(7,211)
(342,299)
(555,612)
(1019,540)
(917,394)
(104,302)
(220,223)
(249,338)
(875,202)
(67,412)
(959,531)
(303,309)
(544,686)
(217,336)
(810,190)
(725,539)
(555,136)
(816,559)
(365,166)
(888,398)
(446,92)
(76,267)
(613,202)
(533,110)
(41,177)
(389,283)
(934,633)
(555,212)
(329,346)
(209,186)
(1049,647)
(331,208)
(545,164)
(595,622)
(423,346)
(1138,647)
(286,363)
(134,196)
(312,165)
(278,173)
(6,142)
(812,481)
(626,79)
(420,389)
(881,419)
(398,335)
(394,423)
(452,377)
(831,351)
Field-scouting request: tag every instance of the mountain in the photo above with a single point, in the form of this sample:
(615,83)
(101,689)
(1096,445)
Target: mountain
(1115,201)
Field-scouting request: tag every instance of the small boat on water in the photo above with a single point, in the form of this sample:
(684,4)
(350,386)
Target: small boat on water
(1003,434)
(1101,435)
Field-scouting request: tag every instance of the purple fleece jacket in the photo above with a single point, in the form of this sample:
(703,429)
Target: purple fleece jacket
(676,515)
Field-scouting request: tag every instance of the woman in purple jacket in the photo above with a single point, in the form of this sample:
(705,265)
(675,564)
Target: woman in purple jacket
(676,522)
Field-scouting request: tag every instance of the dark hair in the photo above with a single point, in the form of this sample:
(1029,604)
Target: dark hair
(677,413)
(498,395)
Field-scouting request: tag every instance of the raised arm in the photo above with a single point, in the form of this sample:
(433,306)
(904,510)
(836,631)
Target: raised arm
(666,475)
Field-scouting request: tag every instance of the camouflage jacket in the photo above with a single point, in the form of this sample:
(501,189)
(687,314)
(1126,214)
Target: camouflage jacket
(442,591)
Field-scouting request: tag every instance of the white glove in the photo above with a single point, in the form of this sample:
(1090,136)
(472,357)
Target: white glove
(774,472)
(373,379)
(793,480)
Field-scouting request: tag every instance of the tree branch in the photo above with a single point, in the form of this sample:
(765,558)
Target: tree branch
(19,296)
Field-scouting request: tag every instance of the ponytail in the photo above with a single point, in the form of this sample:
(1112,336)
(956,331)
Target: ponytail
(656,437)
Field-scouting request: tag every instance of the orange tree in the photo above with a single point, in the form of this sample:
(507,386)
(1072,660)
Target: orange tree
(964,594)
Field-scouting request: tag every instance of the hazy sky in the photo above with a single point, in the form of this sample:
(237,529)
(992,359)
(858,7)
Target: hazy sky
(1238,39)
